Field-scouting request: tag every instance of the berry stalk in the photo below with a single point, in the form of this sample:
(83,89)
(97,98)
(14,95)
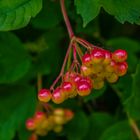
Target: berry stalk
(66,19)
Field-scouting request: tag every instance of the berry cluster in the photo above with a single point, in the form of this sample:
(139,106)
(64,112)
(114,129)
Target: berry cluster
(41,124)
(97,66)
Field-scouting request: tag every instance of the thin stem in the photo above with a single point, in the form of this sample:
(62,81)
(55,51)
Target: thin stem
(63,66)
(134,126)
(66,19)
(39,81)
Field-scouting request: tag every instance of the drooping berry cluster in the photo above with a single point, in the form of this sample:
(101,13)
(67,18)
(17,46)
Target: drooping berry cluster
(97,66)
(41,124)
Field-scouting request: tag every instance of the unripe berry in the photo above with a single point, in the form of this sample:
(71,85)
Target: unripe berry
(108,57)
(83,88)
(67,88)
(96,68)
(119,55)
(58,128)
(112,78)
(86,59)
(30,124)
(86,71)
(59,112)
(58,96)
(111,67)
(44,95)
(41,132)
(98,84)
(97,56)
(121,68)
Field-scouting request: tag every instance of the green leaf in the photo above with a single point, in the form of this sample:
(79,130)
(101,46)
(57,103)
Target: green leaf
(118,131)
(78,127)
(14,60)
(131,46)
(16,104)
(133,104)
(123,10)
(49,16)
(98,124)
(15,14)
(88,9)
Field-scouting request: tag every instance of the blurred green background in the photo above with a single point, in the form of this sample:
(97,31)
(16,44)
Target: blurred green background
(40,47)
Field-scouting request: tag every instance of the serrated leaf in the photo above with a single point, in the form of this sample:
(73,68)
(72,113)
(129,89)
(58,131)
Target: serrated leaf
(15,14)
(16,104)
(14,60)
(49,16)
(98,124)
(88,9)
(78,127)
(118,131)
(123,10)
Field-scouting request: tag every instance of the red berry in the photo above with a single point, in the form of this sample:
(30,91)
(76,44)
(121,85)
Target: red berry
(39,117)
(58,96)
(69,76)
(86,59)
(86,79)
(67,88)
(121,68)
(97,56)
(44,95)
(83,88)
(119,55)
(30,124)
(108,57)
(86,71)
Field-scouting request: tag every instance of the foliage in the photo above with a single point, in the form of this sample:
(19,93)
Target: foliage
(39,46)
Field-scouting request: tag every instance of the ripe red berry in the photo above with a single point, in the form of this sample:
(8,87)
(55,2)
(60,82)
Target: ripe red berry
(39,117)
(119,55)
(44,95)
(86,59)
(87,79)
(108,57)
(58,96)
(69,76)
(30,124)
(67,88)
(97,56)
(83,88)
(121,68)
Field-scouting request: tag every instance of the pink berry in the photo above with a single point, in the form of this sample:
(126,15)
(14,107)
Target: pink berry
(86,59)
(83,88)
(44,95)
(97,56)
(119,55)
(121,68)
(108,57)
(67,87)
(30,124)
(58,96)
